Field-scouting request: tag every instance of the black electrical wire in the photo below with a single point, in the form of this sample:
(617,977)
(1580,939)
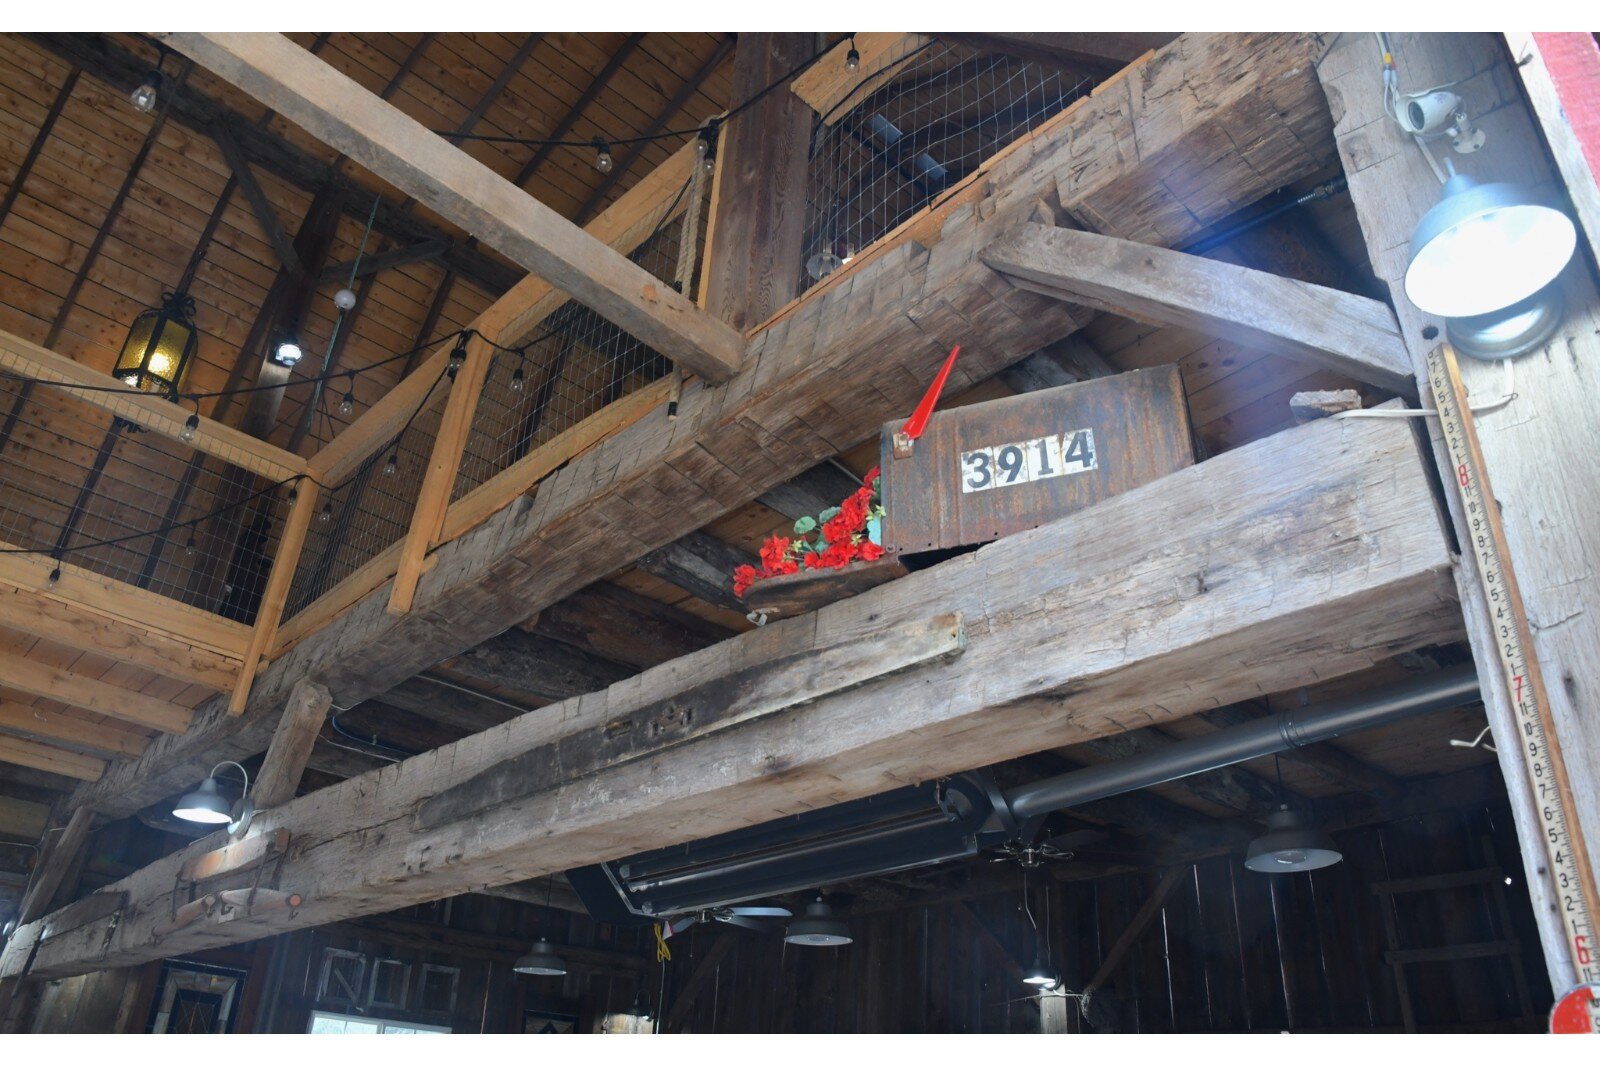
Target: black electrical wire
(665,135)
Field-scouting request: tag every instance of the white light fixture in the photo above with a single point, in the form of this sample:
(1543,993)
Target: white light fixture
(1485,248)
(288,352)
(542,961)
(1041,976)
(208,806)
(1518,329)
(820,928)
(144,97)
(1290,844)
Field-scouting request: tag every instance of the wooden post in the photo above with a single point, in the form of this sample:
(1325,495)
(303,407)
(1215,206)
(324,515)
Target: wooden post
(427,519)
(759,196)
(276,594)
(1536,450)
(291,744)
(53,868)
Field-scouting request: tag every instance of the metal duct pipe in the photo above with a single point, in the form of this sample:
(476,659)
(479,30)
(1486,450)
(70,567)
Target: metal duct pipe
(1288,729)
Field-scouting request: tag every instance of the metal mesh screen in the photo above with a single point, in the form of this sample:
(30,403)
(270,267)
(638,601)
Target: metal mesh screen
(370,510)
(911,131)
(83,486)
(576,364)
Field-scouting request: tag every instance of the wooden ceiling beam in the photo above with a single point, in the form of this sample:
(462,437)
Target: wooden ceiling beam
(400,150)
(260,206)
(1356,573)
(71,726)
(122,70)
(46,127)
(31,753)
(1350,335)
(40,679)
(701,565)
(857,351)
(614,623)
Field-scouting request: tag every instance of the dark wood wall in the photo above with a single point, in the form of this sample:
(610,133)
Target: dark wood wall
(1228,950)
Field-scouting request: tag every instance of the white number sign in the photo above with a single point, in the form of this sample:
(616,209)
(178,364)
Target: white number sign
(1023,461)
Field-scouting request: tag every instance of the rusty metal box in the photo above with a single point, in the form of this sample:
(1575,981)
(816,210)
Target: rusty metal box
(990,469)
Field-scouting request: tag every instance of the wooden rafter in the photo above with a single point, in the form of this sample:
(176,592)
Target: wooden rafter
(40,679)
(71,726)
(265,214)
(123,70)
(624,164)
(1349,334)
(20,178)
(403,152)
(31,753)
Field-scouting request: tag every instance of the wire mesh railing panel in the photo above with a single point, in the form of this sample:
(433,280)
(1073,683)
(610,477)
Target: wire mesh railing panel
(574,366)
(80,485)
(911,131)
(370,510)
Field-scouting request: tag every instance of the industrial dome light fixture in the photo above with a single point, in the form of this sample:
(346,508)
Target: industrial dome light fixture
(1041,976)
(288,351)
(820,928)
(1484,248)
(542,961)
(1506,334)
(208,806)
(1290,844)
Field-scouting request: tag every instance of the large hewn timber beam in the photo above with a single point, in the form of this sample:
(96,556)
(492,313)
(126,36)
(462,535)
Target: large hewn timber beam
(1206,589)
(824,376)
(441,176)
(1535,450)
(1102,52)
(1327,328)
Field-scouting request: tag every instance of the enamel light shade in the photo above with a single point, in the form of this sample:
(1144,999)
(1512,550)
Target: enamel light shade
(820,928)
(205,804)
(542,960)
(1289,845)
(1483,248)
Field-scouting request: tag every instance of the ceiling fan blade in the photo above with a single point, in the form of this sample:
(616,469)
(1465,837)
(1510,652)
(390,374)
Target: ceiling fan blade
(762,912)
(1078,838)
(744,923)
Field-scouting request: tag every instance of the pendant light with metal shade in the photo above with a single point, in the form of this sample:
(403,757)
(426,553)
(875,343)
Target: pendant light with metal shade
(207,805)
(542,960)
(819,928)
(1292,842)
(1484,258)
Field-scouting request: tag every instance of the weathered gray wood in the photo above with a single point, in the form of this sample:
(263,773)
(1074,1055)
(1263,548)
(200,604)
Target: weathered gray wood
(1320,403)
(401,150)
(57,861)
(613,623)
(291,745)
(713,705)
(1150,908)
(536,667)
(856,352)
(1537,451)
(1324,327)
(812,492)
(1194,591)
(700,565)
(1101,52)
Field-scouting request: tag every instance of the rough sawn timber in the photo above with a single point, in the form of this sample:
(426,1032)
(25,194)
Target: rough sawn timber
(822,377)
(1310,554)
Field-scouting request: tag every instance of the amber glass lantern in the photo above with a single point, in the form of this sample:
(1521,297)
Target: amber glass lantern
(160,344)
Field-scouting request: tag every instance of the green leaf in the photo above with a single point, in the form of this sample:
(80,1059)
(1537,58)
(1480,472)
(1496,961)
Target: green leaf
(829,513)
(805,524)
(875,530)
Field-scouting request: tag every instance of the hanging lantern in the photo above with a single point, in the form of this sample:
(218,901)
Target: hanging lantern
(159,346)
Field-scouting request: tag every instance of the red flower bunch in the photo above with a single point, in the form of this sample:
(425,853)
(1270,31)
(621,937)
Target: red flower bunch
(835,539)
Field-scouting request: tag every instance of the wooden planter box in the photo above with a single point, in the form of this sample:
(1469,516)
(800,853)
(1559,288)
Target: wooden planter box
(787,595)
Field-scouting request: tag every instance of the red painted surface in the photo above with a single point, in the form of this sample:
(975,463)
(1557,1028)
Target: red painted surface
(1573,60)
(1576,1011)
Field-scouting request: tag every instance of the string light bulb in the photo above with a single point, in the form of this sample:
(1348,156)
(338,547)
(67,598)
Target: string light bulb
(326,514)
(344,299)
(144,97)
(190,548)
(55,575)
(391,466)
(706,145)
(852,58)
(516,380)
(458,355)
(348,402)
(602,157)
(190,427)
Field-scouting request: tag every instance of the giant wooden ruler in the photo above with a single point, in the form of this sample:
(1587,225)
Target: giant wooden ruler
(1569,869)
